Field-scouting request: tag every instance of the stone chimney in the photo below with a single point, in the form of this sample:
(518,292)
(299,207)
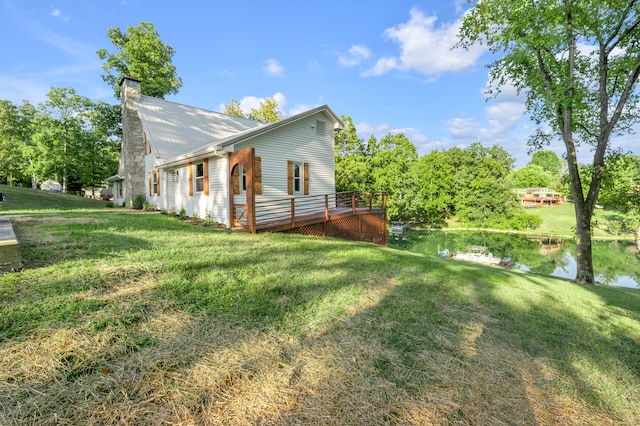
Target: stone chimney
(132,154)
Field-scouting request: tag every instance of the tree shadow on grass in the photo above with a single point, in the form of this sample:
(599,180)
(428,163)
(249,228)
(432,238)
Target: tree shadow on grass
(291,330)
(595,352)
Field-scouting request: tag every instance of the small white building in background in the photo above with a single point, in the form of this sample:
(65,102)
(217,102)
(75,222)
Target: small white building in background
(51,185)
(217,166)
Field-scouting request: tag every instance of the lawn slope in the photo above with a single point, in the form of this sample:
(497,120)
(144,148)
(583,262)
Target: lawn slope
(20,200)
(128,318)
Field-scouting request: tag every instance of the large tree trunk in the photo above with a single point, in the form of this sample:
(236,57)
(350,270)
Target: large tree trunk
(583,212)
(584,258)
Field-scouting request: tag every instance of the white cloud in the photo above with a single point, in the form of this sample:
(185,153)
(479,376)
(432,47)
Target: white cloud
(357,54)
(273,68)
(426,48)
(503,117)
(365,130)
(382,66)
(315,67)
(57,13)
(300,108)
(463,128)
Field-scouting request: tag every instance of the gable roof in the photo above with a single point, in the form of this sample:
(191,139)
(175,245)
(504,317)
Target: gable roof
(176,129)
(179,132)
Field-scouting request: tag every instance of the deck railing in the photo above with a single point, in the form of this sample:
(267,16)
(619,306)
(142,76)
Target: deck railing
(291,210)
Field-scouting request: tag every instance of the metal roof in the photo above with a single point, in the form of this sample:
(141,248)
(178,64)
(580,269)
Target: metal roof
(175,129)
(178,132)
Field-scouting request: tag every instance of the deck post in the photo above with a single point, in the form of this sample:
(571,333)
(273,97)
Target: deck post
(326,207)
(293,212)
(353,202)
(384,207)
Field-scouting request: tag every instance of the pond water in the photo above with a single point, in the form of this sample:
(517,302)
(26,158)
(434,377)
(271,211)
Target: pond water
(615,263)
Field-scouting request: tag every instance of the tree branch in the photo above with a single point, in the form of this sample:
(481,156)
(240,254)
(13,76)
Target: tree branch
(610,41)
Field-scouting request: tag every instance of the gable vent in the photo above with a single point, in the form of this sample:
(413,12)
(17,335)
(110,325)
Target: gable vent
(320,125)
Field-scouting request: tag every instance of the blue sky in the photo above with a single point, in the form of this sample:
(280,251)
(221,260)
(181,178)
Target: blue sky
(387,64)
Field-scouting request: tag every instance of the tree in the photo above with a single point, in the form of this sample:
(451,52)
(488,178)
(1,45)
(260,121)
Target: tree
(141,54)
(268,111)
(28,113)
(352,161)
(60,122)
(621,184)
(100,144)
(234,109)
(392,160)
(578,62)
(436,175)
(10,147)
(531,176)
(485,196)
(548,160)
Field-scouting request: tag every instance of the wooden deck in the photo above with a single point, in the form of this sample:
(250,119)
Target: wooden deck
(349,215)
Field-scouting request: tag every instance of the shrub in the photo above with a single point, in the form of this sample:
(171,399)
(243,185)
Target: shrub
(139,201)
(147,207)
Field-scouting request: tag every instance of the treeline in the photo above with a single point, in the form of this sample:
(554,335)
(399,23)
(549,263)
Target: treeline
(68,138)
(474,185)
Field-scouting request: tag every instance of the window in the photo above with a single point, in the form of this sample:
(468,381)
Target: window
(297,177)
(199,177)
(243,180)
(155,183)
(320,127)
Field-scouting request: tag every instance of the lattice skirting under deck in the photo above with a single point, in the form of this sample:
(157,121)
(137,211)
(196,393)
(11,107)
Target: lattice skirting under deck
(370,228)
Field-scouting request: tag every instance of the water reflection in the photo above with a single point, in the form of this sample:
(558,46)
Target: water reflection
(615,263)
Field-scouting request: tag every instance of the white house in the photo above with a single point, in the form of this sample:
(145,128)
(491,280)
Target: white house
(218,166)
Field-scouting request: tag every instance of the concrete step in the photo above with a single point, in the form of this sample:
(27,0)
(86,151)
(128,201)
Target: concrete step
(9,247)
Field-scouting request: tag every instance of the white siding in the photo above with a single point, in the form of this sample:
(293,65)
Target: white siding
(214,206)
(154,199)
(298,142)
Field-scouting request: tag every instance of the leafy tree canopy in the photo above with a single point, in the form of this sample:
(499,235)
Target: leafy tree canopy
(578,62)
(268,111)
(548,160)
(531,176)
(140,53)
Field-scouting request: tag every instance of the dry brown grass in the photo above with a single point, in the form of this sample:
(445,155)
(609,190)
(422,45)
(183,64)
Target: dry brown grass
(200,371)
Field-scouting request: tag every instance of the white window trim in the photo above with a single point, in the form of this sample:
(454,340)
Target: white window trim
(242,174)
(154,182)
(299,179)
(198,178)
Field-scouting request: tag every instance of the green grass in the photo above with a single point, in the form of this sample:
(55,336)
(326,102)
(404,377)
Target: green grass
(144,319)
(26,200)
(562,220)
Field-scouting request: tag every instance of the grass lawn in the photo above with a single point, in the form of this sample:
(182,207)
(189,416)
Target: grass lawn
(26,200)
(127,318)
(562,220)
